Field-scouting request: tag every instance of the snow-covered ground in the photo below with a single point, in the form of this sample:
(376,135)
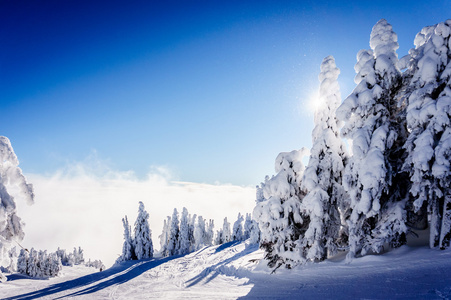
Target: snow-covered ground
(235,270)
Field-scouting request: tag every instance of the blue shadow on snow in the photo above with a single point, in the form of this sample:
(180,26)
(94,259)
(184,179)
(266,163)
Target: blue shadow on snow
(120,274)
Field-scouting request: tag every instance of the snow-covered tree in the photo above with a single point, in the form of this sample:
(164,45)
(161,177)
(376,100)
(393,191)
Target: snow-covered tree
(78,256)
(142,240)
(192,225)
(164,237)
(174,232)
(237,232)
(278,211)
(226,232)
(370,123)
(12,185)
(128,252)
(210,233)
(66,259)
(98,264)
(429,124)
(184,235)
(322,177)
(199,233)
(247,227)
(22,261)
(218,237)
(251,230)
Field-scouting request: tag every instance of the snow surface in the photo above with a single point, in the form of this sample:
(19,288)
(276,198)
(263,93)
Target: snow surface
(236,270)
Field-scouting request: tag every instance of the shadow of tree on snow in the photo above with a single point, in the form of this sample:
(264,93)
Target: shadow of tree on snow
(212,272)
(119,274)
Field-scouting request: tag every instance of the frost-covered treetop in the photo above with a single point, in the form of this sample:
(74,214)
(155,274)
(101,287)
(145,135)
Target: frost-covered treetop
(329,97)
(11,174)
(384,43)
(383,40)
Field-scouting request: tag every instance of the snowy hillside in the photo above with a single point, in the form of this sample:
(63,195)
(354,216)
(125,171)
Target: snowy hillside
(232,270)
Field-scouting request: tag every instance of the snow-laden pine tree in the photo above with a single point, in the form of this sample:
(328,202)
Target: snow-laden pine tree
(192,224)
(226,232)
(237,232)
(370,123)
(247,227)
(128,252)
(251,231)
(199,233)
(164,237)
(142,240)
(174,233)
(218,237)
(185,243)
(210,233)
(322,177)
(78,256)
(12,182)
(428,120)
(278,211)
(22,261)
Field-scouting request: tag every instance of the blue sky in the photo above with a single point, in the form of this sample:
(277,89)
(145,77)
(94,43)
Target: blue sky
(211,90)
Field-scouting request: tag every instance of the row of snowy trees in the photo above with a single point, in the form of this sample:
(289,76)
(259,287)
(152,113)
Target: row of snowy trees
(139,245)
(42,264)
(71,259)
(38,263)
(194,232)
(398,169)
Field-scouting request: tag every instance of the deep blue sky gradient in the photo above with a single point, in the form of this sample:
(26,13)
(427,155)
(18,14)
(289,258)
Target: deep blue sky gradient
(213,90)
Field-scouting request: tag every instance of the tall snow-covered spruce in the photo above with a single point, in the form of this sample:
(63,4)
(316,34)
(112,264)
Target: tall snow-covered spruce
(128,252)
(322,177)
(428,119)
(138,246)
(142,241)
(12,182)
(370,123)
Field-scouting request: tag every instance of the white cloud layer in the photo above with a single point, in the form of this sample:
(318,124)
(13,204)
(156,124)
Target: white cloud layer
(79,208)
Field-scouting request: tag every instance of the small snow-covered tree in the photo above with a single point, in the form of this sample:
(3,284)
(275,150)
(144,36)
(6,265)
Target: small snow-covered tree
(192,225)
(226,233)
(174,232)
(22,261)
(247,227)
(322,177)
(251,230)
(98,264)
(12,185)
(128,252)
(78,256)
(199,233)
(218,237)
(278,211)
(210,233)
(142,240)
(370,122)
(66,259)
(185,242)
(164,237)
(237,232)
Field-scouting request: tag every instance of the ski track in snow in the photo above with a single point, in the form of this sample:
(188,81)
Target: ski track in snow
(232,271)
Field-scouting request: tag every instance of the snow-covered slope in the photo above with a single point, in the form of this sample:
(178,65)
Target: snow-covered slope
(235,270)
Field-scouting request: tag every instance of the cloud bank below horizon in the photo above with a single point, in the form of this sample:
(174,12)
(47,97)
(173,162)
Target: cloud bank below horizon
(78,207)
